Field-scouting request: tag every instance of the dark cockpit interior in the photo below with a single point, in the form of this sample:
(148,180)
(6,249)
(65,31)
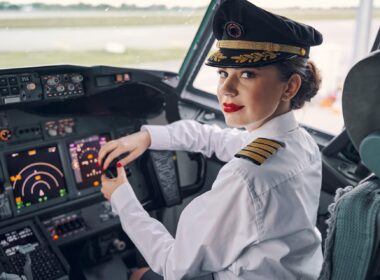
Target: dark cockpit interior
(53,122)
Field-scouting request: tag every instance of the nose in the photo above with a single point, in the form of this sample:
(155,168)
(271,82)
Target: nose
(227,87)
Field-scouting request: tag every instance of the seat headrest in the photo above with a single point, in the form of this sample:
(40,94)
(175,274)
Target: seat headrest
(369,151)
(361,108)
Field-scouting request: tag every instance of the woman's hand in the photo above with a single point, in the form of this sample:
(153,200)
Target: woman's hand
(134,144)
(110,185)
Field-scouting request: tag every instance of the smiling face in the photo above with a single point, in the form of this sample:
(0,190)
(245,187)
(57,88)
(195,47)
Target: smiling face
(250,97)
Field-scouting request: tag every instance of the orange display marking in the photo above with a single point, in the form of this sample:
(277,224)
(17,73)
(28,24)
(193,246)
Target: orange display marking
(15,178)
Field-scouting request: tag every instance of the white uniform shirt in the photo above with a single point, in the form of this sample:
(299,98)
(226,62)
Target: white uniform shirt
(257,222)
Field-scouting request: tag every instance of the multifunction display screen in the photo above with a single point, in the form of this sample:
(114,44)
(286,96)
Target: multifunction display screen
(11,241)
(36,176)
(84,160)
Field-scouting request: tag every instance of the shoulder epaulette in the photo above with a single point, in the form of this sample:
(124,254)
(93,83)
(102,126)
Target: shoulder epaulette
(260,150)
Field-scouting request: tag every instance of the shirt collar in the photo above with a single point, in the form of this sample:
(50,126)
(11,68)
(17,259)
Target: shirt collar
(276,126)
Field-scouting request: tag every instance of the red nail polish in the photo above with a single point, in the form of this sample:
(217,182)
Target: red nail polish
(119,165)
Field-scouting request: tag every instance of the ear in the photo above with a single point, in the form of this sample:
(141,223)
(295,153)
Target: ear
(292,87)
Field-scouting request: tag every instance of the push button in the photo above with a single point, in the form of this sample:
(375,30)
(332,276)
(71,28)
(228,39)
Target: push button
(3,81)
(4,91)
(12,80)
(15,90)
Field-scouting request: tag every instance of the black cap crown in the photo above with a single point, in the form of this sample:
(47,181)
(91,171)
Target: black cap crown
(249,36)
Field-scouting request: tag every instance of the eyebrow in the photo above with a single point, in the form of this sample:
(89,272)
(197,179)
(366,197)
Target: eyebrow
(251,69)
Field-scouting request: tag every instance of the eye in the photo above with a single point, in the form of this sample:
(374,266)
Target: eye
(222,74)
(248,74)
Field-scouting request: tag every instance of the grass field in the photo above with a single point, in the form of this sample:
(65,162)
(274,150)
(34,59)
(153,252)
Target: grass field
(150,18)
(129,57)
(110,21)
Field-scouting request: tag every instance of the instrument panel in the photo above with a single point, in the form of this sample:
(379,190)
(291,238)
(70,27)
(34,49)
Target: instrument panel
(36,176)
(25,251)
(55,83)
(11,241)
(49,142)
(84,160)
(62,85)
(27,87)
(53,173)
(16,88)
(53,122)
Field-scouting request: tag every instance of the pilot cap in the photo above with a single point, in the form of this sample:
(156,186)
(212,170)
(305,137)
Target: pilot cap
(248,36)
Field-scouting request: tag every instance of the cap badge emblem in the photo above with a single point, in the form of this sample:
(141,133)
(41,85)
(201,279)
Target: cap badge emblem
(234,29)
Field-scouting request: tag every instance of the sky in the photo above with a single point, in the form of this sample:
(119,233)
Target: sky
(194,3)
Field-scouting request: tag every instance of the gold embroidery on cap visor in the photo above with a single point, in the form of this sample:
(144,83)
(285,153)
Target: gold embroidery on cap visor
(260,51)
(254,57)
(217,56)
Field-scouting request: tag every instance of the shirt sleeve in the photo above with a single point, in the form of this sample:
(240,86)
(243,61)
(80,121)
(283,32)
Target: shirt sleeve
(212,231)
(192,136)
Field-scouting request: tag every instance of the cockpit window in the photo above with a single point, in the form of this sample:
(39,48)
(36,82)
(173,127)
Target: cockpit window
(131,33)
(337,21)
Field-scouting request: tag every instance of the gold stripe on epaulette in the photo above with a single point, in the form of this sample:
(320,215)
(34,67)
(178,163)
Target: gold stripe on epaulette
(253,156)
(258,151)
(263,146)
(271,143)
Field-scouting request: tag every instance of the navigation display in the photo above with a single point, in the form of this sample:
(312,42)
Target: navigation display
(10,241)
(36,176)
(84,159)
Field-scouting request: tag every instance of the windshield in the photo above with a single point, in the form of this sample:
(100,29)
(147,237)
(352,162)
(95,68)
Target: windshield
(146,34)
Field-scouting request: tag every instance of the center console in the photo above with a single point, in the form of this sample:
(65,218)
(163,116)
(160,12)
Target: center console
(24,250)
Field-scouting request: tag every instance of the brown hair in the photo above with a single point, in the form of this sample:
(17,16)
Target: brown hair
(310,77)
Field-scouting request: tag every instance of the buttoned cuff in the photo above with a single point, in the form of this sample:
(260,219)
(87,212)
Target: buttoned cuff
(123,196)
(159,136)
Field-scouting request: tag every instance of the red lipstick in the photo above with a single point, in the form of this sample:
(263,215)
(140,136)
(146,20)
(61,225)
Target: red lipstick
(231,107)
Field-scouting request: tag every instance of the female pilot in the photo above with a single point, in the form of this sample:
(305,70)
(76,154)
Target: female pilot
(258,220)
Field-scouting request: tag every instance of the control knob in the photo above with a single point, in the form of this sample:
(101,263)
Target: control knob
(52,132)
(5,135)
(61,88)
(70,87)
(68,129)
(118,244)
(77,78)
(31,86)
(52,81)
